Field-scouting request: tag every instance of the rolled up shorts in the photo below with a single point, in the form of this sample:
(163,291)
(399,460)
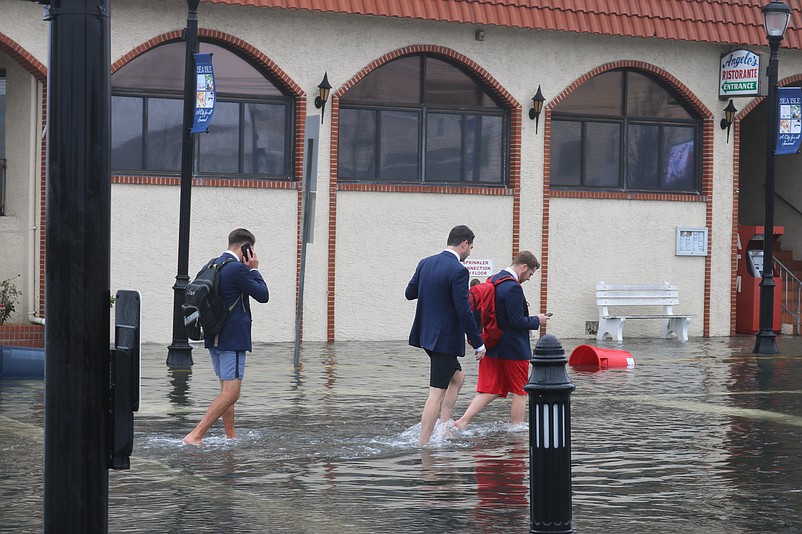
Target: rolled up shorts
(228,364)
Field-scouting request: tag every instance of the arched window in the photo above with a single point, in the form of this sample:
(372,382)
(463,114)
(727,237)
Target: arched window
(250,135)
(421,119)
(624,130)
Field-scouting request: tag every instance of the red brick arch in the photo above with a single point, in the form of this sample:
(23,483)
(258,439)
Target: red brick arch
(707,168)
(24,58)
(514,188)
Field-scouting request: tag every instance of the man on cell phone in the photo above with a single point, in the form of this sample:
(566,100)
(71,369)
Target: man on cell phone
(239,280)
(505,368)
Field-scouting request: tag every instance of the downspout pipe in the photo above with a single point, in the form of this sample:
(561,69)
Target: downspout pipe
(32,213)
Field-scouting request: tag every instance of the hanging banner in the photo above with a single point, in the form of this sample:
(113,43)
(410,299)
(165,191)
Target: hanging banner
(204,93)
(789,125)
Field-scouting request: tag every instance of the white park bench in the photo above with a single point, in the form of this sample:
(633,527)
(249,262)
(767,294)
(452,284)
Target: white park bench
(638,298)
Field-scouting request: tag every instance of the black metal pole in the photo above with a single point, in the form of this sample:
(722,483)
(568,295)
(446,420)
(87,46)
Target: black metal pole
(549,390)
(179,354)
(765,339)
(77,273)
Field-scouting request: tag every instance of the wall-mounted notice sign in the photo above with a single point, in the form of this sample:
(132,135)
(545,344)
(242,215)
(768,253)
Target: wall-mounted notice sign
(789,123)
(739,74)
(479,268)
(204,93)
(691,241)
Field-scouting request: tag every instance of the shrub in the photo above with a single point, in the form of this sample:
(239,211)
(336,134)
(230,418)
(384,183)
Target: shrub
(8,298)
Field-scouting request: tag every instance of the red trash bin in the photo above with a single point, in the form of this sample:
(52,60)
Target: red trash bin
(597,357)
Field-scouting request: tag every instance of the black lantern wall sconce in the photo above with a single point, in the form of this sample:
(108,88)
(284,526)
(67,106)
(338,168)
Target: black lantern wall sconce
(537,107)
(320,101)
(729,118)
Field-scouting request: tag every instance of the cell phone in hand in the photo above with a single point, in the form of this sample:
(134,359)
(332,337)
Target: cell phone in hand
(548,314)
(246,252)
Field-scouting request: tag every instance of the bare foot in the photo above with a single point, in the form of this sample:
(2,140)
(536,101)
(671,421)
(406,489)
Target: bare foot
(189,440)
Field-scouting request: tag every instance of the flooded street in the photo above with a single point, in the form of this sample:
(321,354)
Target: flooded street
(698,436)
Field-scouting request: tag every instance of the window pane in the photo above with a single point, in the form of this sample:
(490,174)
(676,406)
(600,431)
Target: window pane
(647,98)
(126,133)
(265,139)
(233,74)
(601,95)
(162,69)
(357,158)
(602,159)
(448,85)
(395,82)
(484,152)
(219,149)
(399,146)
(165,119)
(566,152)
(642,157)
(443,147)
(679,155)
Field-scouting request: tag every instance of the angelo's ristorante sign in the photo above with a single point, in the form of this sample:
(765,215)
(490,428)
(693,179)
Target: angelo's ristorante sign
(204,93)
(739,74)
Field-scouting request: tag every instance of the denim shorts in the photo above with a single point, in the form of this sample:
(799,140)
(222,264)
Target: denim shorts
(228,364)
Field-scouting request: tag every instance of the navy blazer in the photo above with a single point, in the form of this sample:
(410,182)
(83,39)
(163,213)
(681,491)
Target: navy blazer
(237,279)
(512,314)
(443,315)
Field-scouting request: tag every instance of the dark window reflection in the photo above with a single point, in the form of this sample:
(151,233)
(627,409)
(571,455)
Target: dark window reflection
(164,121)
(656,134)
(399,146)
(126,123)
(420,105)
(250,133)
(357,158)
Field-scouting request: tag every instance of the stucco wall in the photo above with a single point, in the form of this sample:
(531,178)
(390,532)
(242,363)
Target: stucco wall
(15,236)
(381,236)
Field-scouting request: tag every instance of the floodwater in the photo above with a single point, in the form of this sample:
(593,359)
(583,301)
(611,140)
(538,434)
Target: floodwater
(698,437)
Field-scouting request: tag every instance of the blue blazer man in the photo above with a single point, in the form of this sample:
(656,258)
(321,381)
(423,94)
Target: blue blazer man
(512,314)
(237,284)
(443,315)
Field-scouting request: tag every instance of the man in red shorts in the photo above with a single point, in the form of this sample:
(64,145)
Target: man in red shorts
(505,368)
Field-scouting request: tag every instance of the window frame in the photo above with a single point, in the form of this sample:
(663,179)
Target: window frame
(422,109)
(624,120)
(287,100)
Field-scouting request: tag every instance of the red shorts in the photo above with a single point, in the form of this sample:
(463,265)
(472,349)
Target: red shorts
(498,376)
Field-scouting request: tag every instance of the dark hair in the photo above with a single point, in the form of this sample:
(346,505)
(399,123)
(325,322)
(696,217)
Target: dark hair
(459,234)
(527,258)
(239,236)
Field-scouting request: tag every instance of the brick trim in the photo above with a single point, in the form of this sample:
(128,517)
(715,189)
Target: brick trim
(22,335)
(239,183)
(25,59)
(706,163)
(514,108)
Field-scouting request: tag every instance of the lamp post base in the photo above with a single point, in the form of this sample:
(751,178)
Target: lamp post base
(765,343)
(179,355)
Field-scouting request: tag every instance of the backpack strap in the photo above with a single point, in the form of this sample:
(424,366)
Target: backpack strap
(503,279)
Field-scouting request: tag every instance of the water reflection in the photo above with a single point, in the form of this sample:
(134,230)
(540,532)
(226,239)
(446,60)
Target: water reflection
(699,436)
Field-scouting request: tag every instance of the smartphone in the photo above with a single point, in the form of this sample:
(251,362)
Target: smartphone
(548,314)
(246,252)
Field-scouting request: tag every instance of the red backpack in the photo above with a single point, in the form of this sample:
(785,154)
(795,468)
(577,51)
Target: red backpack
(483,299)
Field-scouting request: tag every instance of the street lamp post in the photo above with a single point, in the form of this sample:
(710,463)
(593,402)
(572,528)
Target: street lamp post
(179,353)
(775,20)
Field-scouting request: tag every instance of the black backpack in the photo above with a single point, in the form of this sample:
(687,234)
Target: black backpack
(203,307)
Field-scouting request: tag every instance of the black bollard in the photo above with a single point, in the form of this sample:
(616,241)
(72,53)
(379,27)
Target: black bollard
(549,392)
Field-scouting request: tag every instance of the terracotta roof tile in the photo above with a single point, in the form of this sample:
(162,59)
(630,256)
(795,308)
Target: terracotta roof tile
(722,21)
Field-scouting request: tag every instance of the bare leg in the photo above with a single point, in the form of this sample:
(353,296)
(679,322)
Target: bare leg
(228,419)
(229,394)
(452,393)
(430,411)
(479,402)
(518,409)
